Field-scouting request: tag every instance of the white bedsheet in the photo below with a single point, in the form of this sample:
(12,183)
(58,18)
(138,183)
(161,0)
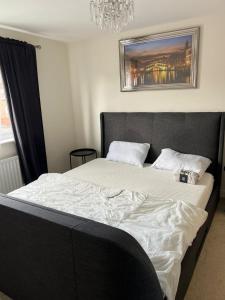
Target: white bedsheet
(164,227)
(148,180)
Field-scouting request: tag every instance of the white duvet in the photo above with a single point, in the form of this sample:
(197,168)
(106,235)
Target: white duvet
(163,227)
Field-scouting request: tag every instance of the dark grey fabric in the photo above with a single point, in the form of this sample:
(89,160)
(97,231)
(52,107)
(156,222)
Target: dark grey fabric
(111,265)
(19,72)
(193,133)
(36,255)
(46,254)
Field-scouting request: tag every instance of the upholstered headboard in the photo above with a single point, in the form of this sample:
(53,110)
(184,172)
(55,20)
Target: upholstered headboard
(195,133)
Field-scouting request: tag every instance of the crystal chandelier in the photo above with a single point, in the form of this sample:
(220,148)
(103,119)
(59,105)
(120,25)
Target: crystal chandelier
(112,14)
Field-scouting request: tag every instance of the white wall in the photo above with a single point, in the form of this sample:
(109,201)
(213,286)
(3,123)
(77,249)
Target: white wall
(95,84)
(95,79)
(55,94)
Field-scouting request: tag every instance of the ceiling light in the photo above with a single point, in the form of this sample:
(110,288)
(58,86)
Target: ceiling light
(112,15)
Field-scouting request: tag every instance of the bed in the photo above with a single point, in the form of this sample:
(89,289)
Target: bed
(48,254)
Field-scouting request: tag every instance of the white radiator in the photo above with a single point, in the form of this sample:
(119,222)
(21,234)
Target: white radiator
(10,175)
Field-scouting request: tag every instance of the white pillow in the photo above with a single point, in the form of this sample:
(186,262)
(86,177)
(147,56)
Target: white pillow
(173,161)
(130,153)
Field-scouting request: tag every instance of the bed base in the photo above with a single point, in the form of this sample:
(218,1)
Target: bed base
(193,252)
(46,254)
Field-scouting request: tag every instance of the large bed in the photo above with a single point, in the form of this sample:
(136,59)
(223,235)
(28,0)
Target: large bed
(49,253)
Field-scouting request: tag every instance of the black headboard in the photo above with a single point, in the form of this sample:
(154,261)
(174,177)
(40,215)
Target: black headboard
(194,133)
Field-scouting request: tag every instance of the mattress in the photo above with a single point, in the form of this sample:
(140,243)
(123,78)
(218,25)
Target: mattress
(163,215)
(158,183)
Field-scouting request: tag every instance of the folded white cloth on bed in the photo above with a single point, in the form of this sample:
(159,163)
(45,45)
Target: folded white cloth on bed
(186,176)
(163,227)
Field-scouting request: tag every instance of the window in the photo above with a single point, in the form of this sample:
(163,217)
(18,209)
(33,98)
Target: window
(6,133)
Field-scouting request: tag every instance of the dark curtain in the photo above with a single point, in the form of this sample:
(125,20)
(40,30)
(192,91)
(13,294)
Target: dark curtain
(19,71)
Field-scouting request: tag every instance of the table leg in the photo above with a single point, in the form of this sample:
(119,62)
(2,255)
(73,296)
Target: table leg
(70,162)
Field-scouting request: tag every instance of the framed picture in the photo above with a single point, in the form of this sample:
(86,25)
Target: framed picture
(160,61)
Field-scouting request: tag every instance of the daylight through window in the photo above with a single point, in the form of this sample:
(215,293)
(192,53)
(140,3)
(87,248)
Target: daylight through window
(6,133)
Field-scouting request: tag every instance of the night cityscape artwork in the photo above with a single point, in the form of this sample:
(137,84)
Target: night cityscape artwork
(165,61)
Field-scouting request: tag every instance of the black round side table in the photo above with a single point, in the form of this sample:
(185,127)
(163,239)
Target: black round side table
(83,152)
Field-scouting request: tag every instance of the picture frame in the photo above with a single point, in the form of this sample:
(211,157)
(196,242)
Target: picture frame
(166,60)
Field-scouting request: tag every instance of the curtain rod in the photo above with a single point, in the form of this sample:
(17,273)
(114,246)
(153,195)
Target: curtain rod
(37,47)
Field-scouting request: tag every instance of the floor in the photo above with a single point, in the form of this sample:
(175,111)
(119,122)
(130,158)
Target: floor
(208,281)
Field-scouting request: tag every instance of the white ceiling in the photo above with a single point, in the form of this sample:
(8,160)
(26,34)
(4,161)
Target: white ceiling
(69,20)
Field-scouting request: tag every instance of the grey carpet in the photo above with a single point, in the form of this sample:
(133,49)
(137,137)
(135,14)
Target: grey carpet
(208,281)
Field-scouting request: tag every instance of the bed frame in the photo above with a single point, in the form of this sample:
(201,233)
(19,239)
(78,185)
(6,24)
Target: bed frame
(46,254)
